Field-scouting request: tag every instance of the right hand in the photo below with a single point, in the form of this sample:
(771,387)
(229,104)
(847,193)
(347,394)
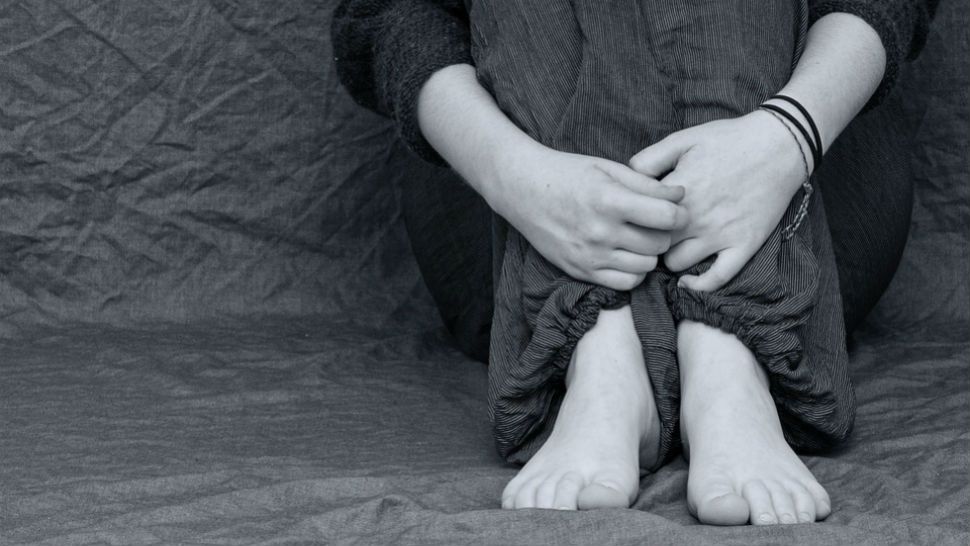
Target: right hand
(597,220)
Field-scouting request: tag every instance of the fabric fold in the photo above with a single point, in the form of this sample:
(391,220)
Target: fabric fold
(766,304)
(535,350)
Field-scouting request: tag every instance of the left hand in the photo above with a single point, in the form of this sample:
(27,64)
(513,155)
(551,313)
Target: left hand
(739,176)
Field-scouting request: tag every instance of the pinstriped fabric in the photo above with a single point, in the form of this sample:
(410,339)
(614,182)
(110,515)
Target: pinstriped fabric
(607,78)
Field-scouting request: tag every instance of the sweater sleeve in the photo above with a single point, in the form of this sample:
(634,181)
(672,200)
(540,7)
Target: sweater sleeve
(385,50)
(902,26)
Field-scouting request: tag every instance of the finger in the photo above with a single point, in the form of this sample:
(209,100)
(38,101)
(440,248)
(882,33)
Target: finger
(640,240)
(649,212)
(687,254)
(642,184)
(661,157)
(728,263)
(618,280)
(630,262)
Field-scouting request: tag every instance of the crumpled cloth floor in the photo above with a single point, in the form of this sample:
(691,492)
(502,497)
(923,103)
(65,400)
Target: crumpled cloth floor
(212,330)
(284,435)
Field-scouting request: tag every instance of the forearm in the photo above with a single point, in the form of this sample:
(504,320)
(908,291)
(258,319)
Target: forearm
(840,68)
(462,122)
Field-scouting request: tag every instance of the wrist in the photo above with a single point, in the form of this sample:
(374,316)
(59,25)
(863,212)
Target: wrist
(785,144)
(800,122)
(508,163)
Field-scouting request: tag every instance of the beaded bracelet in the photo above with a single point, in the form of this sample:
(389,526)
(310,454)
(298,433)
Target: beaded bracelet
(789,231)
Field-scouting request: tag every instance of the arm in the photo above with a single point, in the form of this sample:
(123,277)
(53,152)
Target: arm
(741,174)
(852,56)
(385,50)
(842,66)
(625,216)
(902,27)
(390,52)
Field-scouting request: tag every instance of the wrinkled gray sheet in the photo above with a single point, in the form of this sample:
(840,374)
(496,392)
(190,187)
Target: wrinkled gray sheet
(212,330)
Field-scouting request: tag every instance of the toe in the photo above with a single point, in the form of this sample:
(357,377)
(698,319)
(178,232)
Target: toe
(761,509)
(508,503)
(510,491)
(546,493)
(718,504)
(727,509)
(783,503)
(567,492)
(526,496)
(804,503)
(823,505)
(602,495)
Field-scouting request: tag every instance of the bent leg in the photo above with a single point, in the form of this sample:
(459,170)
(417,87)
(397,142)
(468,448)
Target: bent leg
(868,183)
(455,263)
(606,429)
(764,371)
(741,468)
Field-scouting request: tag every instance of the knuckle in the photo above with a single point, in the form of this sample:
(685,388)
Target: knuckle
(667,216)
(599,202)
(672,263)
(597,232)
(606,280)
(628,282)
(663,241)
(636,162)
(608,201)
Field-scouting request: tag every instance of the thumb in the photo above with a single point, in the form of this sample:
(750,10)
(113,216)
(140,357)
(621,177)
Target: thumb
(726,266)
(660,158)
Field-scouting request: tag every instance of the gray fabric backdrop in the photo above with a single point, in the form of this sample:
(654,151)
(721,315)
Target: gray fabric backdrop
(212,329)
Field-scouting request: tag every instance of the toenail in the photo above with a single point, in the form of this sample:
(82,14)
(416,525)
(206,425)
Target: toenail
(765,518)
(563,508)
(787,518)
(804,516)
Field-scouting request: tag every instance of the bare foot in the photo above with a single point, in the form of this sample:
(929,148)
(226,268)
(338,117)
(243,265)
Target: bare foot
(606,428)
(741,468)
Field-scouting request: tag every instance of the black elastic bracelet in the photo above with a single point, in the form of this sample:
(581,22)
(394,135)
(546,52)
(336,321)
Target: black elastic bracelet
(816,153)
(789,231)
(811,123)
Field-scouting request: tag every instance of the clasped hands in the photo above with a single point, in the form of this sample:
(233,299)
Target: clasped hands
(719,188)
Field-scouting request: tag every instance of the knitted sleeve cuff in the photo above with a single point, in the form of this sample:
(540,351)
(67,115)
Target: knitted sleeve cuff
(385,50)
(900,24)
(421,38)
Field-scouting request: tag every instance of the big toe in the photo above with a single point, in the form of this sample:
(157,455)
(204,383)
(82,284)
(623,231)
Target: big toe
(718,504)
(603,494)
